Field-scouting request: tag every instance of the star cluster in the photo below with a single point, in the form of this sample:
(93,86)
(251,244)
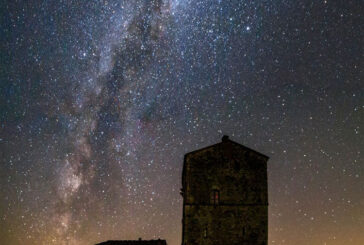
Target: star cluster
(100,100)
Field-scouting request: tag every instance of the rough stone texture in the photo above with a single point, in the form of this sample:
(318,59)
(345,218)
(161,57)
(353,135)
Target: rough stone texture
(240,215)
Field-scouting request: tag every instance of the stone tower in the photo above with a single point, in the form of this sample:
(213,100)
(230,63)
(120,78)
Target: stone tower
(225,197)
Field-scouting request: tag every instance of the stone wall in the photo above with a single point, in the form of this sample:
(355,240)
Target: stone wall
(240,215)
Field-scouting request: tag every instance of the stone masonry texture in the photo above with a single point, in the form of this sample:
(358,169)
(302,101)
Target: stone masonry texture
(225,197)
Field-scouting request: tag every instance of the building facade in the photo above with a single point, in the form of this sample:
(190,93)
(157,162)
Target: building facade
(225,196)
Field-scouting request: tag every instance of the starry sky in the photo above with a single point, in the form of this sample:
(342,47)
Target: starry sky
(100,100)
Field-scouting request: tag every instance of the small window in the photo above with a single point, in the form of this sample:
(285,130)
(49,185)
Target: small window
(205,232)
(215,197)
(237,166)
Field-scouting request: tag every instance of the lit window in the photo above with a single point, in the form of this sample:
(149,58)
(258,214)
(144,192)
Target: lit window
(205,232)
(215,197)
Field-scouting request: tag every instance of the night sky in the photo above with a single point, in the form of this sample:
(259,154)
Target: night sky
(100,100)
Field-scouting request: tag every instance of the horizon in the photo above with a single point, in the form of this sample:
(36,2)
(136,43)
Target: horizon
(101,100)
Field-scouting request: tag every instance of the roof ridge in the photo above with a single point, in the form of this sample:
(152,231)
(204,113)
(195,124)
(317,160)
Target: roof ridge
(225,138)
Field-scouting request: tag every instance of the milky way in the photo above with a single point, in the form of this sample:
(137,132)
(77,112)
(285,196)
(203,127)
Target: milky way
(100,100)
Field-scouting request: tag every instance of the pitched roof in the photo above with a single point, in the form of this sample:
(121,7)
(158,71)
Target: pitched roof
(225,138)
(134,242)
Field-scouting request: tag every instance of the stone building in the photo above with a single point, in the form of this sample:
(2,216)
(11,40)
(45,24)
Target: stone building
(134,242)
(225,197)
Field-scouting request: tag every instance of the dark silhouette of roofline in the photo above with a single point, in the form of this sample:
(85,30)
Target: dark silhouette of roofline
(224,139)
